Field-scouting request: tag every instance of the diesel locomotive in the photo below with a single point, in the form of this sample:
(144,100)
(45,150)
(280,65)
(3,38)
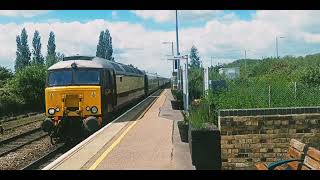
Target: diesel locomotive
(82,93)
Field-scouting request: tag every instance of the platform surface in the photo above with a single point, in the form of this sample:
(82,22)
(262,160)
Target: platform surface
(151,142)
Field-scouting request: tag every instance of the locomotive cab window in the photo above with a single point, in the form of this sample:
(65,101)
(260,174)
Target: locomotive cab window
(87,77)
(58,78)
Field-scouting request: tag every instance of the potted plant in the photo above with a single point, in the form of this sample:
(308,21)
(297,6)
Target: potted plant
(177,104)
(183,128)
(204,136)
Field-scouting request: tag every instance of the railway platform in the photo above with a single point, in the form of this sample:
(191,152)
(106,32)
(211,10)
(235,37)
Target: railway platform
(151,141)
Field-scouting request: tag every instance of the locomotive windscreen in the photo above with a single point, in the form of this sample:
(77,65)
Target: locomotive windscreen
(76,77)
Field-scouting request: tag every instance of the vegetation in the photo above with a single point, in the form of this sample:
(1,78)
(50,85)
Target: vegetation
(24,91)
(203,114)
(104,47)
(36,52)
(51,55)
(293,81)
(23,53)
(270,82)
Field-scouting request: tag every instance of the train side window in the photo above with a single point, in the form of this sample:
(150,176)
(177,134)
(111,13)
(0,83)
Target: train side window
(120,78)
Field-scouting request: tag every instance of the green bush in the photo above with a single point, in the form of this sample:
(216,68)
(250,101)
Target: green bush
(195,77)
(5,74)
(177,94)
(205,114)
(10,103)
(29,84)
(311,76)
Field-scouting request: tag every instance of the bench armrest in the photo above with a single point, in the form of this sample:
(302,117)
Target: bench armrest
(281,162)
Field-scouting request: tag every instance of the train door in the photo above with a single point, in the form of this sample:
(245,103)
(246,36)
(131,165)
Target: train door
(146,86)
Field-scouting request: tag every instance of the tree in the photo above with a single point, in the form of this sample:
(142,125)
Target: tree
(5,74)
(109,50)
(36,43)
(59,56)
(194,57)
(29,84)
(104,47)
(51,56)
(23,52)
(101,46)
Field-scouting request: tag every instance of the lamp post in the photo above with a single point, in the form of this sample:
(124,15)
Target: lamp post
(178,53)
(277,45)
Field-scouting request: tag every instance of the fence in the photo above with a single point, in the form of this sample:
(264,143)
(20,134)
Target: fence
(253,94)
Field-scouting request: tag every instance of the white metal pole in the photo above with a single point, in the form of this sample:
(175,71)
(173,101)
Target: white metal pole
(187,87)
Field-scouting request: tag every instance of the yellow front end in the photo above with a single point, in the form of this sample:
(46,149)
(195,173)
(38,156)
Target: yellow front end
(81,101)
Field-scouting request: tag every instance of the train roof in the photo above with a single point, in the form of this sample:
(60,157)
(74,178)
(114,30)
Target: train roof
(96,62)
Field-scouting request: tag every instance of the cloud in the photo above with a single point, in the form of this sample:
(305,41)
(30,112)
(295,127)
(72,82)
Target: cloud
(22,13)
(225,38)
(162,16)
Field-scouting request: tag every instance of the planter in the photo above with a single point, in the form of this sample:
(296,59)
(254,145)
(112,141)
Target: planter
(183,130)
(205,148)
(177,105)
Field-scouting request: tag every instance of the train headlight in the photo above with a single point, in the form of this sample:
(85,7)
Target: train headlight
(94,109)
(51,111)
(57,109)
(88,108)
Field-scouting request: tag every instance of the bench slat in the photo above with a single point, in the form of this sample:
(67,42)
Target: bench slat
(314,153)
(305,168)
(311,163)
(261,166)
(294,154)
(294,165)
(297,145)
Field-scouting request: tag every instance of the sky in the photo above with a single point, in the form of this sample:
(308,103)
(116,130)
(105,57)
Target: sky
(138,35)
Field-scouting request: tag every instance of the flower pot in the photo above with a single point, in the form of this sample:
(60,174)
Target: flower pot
(205,148)
(183,130)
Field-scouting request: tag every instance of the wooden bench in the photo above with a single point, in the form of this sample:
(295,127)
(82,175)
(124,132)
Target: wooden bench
(312,160)
(294,156)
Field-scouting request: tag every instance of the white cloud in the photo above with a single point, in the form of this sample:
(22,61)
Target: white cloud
(224,37)
(22,13)
(162,16)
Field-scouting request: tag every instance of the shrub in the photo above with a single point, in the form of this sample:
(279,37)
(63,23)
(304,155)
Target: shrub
(29,84)
(10,103)
(203,114)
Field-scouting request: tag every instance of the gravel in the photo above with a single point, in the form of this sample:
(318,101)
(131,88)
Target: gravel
(20,130)
(24,156)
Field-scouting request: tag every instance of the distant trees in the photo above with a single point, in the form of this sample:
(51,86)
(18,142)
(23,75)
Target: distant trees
(51,52)
(36,52)
(194,57)
(104,47)
(23,53)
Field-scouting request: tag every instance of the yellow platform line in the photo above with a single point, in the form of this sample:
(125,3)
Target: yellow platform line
(115,143)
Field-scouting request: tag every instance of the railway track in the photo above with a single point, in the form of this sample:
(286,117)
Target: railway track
(17,142)
(49,157)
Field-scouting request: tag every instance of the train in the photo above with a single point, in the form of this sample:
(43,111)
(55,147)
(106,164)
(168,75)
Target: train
(82,94)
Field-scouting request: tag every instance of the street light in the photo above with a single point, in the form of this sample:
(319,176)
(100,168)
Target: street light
(277,45)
